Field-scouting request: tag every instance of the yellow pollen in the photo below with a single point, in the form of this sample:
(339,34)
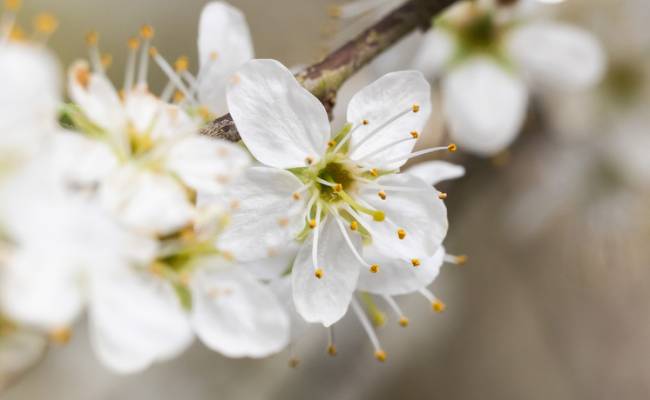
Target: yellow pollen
(133,43)
(296,196)
(338,187)
(293,362)
(438,306)
(318,273)
(46,23)
(401,233)
(354,225)
(331,143)
(92,38)
(178,96)
(378,216)
(374,268)
(146,32)
(403,322)
(17,34)
(374,172)
(309,160)
(382,195)
(442,195)
(331,350)
(214,56)
(334,11)
(415,262)
(415,134)
(205,113)
(153,51)
(380,355)
(415,108)
(106,60)
(60,335)
(283,221)
(181,64)
(312,223)
(82,75)
(12,5)
(461,260)
(452,148)
(365,122)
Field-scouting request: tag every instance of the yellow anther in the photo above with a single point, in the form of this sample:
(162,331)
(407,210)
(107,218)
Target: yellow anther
(380,355)
(228,256)
(106,60)
(378,216)
(331,143)
(415,134)
(46,23)
(214,56)
(365,122)
(354,225)
(461,260)
(17,34)
(334,11)
(181,64)
(294,362)
(374,172)
(133,43)
(438,306)
(452,148)
(147,31)
(374,268)
(12,5)
(442,195)
(92,38)
(153,51)
(415,108)
(178,96)
(296,196)
(382,195)
(318,273)
(309,160)
(312,223)
(415,262)
(60,335)
(156,268)
(403,322)
(331,350)
(82,75)
(401,233)
(284,221)
(338,187)
(187,234)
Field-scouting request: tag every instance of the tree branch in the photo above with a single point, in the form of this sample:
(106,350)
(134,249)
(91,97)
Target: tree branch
(324,78)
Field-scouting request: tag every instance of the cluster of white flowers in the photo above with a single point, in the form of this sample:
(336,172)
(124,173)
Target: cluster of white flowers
(114,206)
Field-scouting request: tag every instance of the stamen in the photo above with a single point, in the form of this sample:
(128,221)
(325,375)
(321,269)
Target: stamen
(338,219)
(365,323)
(347,137)
(458,260)
(379,128)
(452,148)
(437,305)
(417,153)
(129,76)
(354,225)
(442,195)
(294,362)
(401,233)
(403,321)
(377,215)
(171,74)
(314,250)
(92,40)
(415,262)
(7,23)
(45,25)
(382,195)
(60,335)
(331,347)
(387,146)
(374,172)
(146,33)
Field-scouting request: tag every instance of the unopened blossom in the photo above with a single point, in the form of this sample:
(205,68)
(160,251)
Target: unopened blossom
(336,194)
(488,55)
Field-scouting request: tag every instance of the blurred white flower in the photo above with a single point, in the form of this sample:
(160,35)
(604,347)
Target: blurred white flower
(486,58)
(331,192)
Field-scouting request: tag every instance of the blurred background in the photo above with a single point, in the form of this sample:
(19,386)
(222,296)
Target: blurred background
(554,302)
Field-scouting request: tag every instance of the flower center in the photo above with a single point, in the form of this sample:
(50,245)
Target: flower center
(338,174)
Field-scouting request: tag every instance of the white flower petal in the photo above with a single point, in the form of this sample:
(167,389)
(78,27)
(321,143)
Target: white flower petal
(206,165)
(436,171)
(81,160)
(136,320)
(236,315)
(224,45)
(557,54)
(146,201)
(436,50)
(273,266)
(417,210)
(396,277)
(485,106)
(325,300)
(265,217)
(281,123)
(379,103)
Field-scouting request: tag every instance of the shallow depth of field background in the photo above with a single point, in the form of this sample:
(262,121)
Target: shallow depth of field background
(555,300)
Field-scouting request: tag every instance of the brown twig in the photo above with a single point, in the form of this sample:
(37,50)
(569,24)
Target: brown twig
(324,78)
